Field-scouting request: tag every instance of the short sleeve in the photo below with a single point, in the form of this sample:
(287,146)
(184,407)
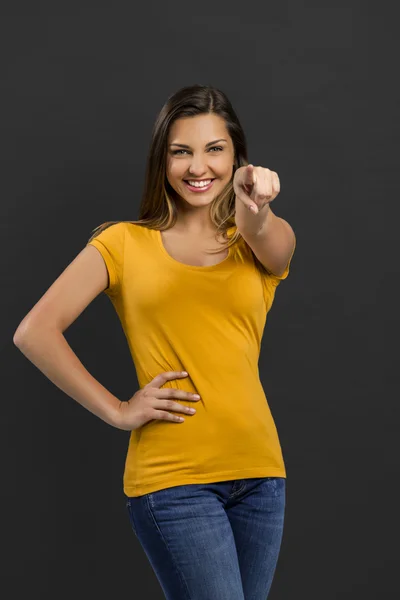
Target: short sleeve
(271,281)
(110,243)
(276,279)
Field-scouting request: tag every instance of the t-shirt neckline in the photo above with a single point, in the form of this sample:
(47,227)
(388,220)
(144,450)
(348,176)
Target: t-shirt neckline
(182,265)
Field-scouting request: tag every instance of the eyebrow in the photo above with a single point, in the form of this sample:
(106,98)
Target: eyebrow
(209,143)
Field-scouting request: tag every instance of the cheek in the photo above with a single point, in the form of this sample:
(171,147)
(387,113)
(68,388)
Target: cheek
(226,164)
(175,170)
(228,170)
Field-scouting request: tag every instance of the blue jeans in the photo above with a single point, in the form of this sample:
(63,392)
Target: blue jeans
(212,541)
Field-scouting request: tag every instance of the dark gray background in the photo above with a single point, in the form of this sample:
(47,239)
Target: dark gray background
(314,85)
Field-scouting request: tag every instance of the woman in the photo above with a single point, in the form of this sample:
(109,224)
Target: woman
(192,282)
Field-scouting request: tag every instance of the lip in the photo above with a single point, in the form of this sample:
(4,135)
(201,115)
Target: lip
(198,190)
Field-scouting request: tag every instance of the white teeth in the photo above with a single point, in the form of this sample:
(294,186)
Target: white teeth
(199,184)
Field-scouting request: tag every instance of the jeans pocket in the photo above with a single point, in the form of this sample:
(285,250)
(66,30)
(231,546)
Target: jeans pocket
(274,486)
(280,485)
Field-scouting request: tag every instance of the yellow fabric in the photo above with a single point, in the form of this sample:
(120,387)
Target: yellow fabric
(208,321)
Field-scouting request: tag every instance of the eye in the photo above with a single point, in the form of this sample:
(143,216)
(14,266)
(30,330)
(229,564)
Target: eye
(212,148)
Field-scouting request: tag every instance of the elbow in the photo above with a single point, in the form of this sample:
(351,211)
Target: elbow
(24,330)
(29,330)
(19,335)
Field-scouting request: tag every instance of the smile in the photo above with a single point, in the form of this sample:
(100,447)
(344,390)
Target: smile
(199,187)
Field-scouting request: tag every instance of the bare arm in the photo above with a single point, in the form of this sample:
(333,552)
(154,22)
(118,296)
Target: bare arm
(50,352)
(271,238)
(40,335)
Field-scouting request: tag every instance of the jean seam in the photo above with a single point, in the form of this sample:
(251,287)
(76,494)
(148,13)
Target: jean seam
(150,505)
(130,515)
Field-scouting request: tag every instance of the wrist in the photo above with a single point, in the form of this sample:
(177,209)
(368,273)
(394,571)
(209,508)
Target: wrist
(116,415)
(247,222)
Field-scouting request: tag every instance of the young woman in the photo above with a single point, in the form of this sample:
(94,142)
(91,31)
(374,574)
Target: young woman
(192,282)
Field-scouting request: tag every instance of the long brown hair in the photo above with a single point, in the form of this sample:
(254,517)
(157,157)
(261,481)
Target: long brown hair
(158,208)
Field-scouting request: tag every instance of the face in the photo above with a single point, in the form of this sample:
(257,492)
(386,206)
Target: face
(199,149)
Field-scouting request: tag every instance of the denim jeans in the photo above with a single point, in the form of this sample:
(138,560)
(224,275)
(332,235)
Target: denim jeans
(212,541)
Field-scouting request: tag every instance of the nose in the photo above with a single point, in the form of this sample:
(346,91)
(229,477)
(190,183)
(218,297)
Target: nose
(198,166)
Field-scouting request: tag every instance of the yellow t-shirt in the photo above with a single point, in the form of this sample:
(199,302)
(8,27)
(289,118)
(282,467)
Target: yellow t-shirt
(209,322)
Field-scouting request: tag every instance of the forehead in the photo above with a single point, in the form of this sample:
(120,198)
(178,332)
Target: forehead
(200,129)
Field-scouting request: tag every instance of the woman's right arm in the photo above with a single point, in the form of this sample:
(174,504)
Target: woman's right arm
(40,337)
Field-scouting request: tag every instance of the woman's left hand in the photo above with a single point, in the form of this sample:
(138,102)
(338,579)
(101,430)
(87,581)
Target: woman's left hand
(256,186)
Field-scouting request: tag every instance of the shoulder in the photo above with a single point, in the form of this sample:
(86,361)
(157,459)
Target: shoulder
(109,235)
(107,230)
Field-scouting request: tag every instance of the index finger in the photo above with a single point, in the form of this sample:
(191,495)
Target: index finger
(249,175)
(165,376)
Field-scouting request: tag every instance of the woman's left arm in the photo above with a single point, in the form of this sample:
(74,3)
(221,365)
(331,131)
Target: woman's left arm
(271,238)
